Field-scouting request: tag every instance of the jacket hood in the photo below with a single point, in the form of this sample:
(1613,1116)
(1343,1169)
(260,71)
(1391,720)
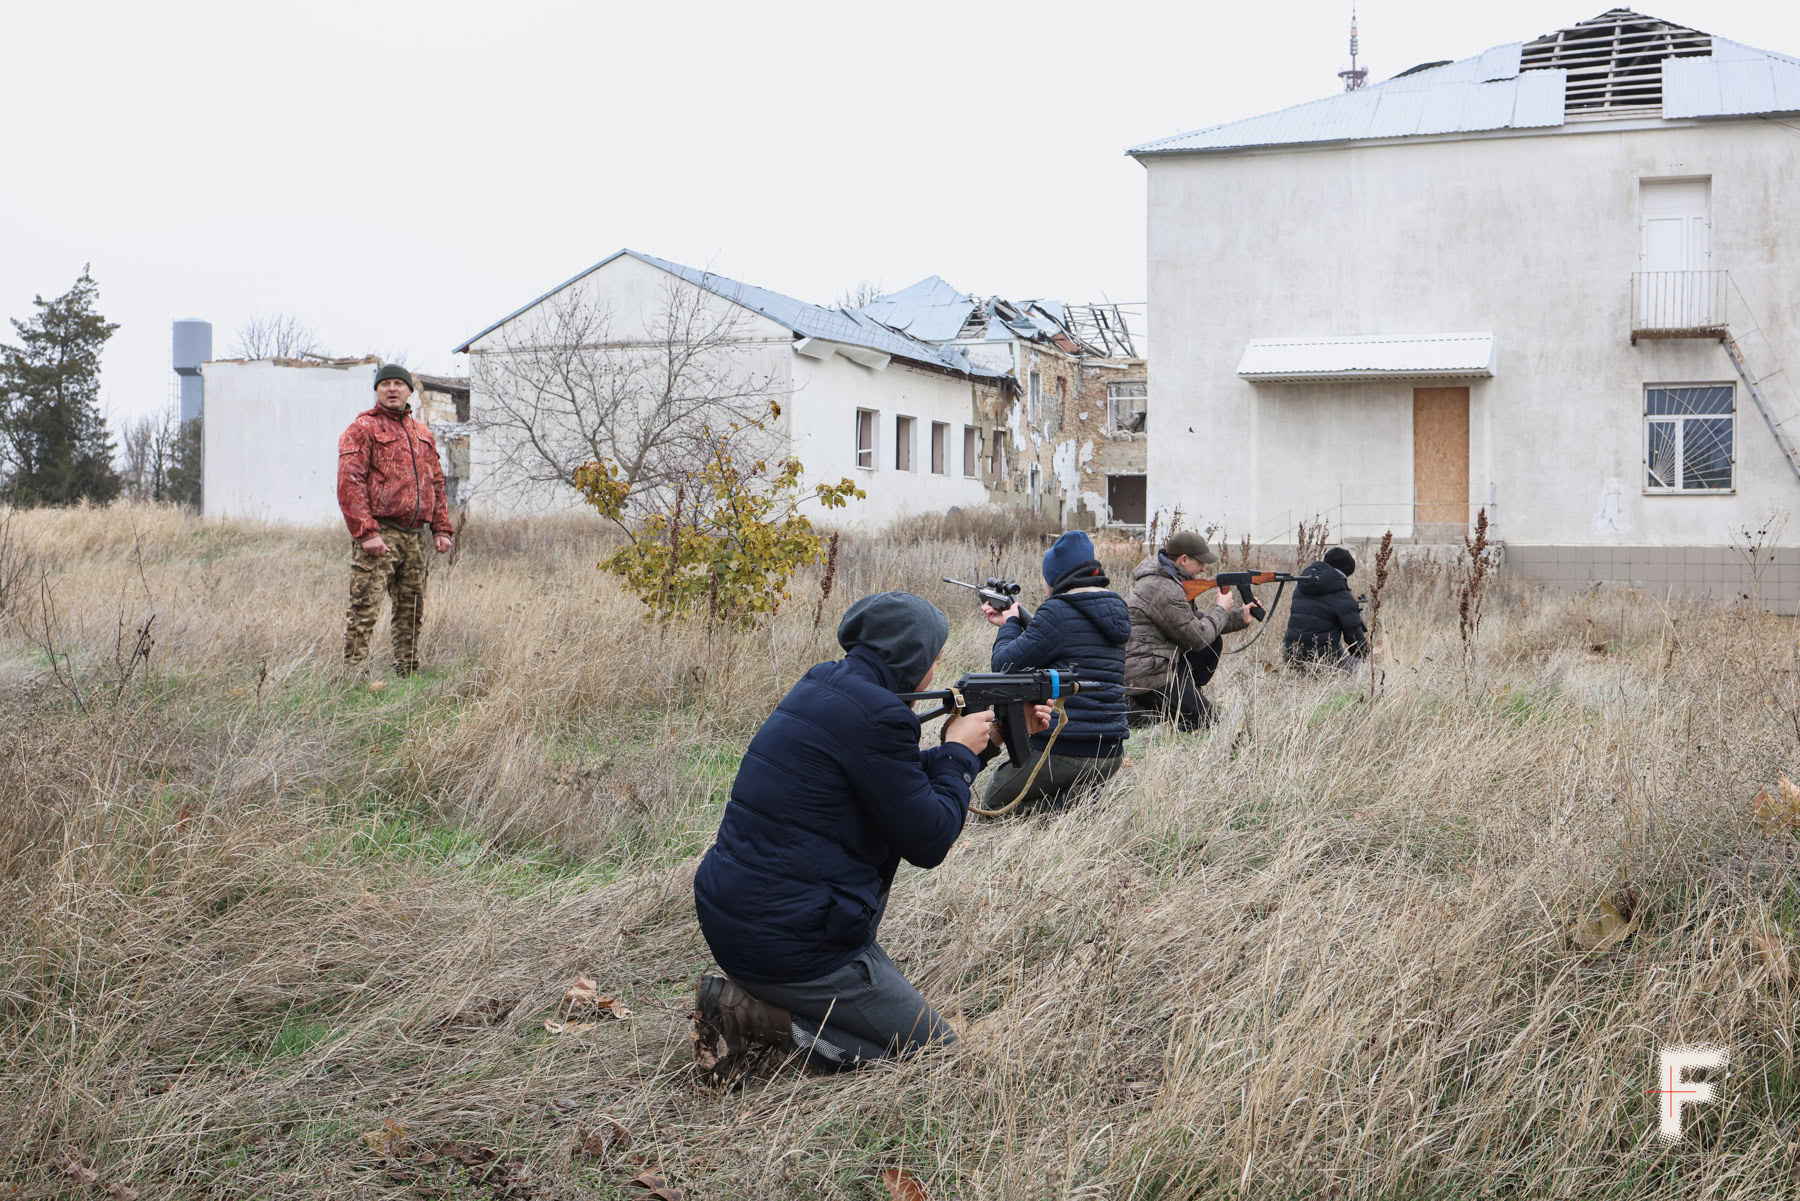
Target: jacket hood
(1322,579)
(905,632)
(1106,611)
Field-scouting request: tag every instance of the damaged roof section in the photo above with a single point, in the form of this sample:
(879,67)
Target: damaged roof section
(1620,64)
(935,311)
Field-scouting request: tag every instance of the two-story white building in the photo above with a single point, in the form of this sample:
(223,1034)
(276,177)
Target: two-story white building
(1555,279)
(858,399)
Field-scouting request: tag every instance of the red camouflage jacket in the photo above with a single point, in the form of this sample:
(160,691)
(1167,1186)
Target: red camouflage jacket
(388,470)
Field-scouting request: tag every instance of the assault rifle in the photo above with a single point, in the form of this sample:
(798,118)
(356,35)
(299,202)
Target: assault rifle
(1001,594)
(1243,583)
(1007,693)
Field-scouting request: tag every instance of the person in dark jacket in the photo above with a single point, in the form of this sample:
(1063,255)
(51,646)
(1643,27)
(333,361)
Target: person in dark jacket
(1082,626)
(1325,623)
(832,793)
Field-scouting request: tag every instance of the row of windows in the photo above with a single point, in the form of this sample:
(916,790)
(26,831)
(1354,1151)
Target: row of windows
(904,438)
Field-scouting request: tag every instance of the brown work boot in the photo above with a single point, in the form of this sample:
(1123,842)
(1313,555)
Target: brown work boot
(727,1020)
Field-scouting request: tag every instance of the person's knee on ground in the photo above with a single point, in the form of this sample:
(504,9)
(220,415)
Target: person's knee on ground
(728,1021)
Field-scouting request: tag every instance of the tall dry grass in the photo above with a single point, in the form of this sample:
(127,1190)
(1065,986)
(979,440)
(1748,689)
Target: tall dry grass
(259,910)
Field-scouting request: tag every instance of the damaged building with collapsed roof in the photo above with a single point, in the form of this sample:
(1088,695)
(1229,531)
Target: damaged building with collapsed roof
(1067,436)
(1552,280)
(927,399)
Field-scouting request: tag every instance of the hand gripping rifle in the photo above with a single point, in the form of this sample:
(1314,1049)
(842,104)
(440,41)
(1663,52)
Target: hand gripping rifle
(1007,693)
(1002,594)
(1243,583)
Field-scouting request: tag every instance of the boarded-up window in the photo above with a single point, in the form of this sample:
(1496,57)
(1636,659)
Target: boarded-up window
(903,436)
(971,452)
(865,438)
(940,448)
(1126,405)
(1689,443)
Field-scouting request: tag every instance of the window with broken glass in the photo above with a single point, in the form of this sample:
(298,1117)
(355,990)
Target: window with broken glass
(1126,406)
(1689,438)
(865,438)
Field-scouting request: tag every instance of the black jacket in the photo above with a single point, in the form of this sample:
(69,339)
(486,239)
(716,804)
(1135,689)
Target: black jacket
(1324,621)
(832,793)
(1085,629)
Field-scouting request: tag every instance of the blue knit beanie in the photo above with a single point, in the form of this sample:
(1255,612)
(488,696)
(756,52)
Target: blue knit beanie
(1066,554)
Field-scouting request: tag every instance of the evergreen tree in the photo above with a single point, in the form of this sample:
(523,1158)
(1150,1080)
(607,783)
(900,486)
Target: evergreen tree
(54,445)
(184,467)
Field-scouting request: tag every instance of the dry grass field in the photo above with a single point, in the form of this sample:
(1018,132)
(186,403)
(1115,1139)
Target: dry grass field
(272,931)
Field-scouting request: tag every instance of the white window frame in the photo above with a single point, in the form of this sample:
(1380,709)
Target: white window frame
(1116,393)
(971,452)
(1679,421)
(904,431)
(865,455)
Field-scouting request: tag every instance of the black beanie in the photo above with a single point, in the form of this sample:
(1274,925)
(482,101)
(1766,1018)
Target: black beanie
(906,631)
(1341,559)
(395,371)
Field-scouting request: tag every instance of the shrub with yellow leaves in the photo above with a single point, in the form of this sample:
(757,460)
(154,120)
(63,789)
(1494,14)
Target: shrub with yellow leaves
(727,540)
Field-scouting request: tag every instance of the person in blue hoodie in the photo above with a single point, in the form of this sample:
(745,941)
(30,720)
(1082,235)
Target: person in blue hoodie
(1325,623)
(833,792)
(1083,626)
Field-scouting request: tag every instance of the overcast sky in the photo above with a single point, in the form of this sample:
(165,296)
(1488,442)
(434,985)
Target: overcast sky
(399,175)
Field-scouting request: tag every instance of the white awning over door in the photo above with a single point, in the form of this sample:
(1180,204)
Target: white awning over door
(1369,356)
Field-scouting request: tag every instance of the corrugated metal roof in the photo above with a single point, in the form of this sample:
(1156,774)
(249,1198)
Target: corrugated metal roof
(1479,93)
(1737,80)
(930,310)
(1491,91)
(807,320)
(1369,356)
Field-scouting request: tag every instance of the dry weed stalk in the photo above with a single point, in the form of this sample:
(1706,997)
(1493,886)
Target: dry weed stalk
(828,579)
(1472,578)
(1384,557)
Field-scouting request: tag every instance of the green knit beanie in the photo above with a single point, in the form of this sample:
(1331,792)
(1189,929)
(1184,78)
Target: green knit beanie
(395,371)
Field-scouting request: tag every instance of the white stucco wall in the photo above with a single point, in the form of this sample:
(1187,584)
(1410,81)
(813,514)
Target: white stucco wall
(827,395)
(269,438)
(819,399)
(635,294)
(1533,238)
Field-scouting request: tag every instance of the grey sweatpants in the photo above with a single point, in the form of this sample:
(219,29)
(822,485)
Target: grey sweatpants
(864,1011)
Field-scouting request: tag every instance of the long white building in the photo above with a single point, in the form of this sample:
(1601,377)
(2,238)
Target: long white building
(1554,279)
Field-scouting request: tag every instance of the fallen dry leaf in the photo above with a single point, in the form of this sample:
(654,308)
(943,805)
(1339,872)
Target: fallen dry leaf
(657,1185)
(1780,811)
(81,1173)
(389,1141)
(585,992)
(903,1185)
(1608,927)
(594,1144)
(1773,954)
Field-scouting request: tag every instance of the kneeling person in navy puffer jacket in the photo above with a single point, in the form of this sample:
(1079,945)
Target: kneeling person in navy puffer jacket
(832,793)
(1082,626)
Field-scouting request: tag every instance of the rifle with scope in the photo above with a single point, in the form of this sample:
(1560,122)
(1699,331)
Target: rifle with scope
(1001,594)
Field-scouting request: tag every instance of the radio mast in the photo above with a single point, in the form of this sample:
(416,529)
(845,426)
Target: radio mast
(1355,76)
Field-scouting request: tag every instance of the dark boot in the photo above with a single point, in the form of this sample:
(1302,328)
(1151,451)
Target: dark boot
(727,1020)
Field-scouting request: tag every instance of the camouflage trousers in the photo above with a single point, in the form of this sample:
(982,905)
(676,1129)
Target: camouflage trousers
(402,573)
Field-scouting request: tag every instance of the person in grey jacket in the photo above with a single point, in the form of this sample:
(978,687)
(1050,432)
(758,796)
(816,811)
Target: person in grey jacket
(1176,643)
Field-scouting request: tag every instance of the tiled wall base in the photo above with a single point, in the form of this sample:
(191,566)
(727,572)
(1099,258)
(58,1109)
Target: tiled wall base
(1700,572)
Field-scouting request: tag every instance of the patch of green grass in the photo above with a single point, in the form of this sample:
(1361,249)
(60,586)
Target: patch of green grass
(296,1037)
(1333,706)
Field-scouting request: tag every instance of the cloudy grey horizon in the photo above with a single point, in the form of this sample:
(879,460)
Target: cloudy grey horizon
(397,176)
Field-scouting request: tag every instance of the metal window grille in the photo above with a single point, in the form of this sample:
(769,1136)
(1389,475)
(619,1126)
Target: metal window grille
(1689,438)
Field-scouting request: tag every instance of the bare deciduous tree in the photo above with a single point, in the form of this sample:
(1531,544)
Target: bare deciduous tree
(276,336)
(864,291)
(560,390)
(146,452)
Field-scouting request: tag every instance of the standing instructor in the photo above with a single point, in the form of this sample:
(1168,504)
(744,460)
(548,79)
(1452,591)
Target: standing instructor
(390,488)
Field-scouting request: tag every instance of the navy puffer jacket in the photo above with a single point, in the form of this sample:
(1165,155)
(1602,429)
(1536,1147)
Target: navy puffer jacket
(1324,620)
(1084,628)
(833,792)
